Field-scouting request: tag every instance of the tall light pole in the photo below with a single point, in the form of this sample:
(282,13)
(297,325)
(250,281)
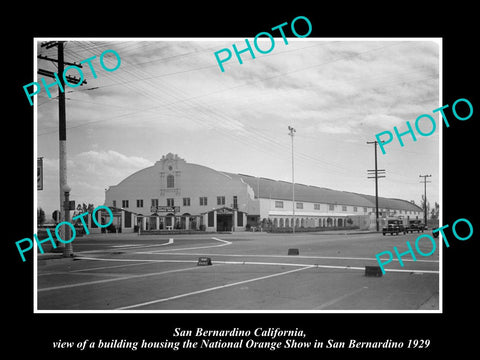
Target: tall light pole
(425,197)
(292,132)
(378,174)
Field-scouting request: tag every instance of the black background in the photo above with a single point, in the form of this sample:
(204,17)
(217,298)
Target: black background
(453,330)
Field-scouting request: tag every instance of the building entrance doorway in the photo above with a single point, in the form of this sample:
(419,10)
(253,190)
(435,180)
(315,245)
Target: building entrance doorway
(224,220)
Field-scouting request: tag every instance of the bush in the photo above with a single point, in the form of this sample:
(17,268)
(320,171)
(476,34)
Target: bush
(113,229)
(310,229)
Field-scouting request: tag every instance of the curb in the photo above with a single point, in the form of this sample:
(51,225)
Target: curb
(338,232)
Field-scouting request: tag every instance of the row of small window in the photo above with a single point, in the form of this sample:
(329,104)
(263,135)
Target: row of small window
(299,205)
(203,201)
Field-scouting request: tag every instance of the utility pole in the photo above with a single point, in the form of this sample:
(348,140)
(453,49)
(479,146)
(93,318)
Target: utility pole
(425,197)
(378,174)
(62,140)
(292,132)
(62,137)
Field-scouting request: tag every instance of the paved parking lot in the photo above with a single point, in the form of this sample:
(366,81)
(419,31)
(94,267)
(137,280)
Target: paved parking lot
(249,271)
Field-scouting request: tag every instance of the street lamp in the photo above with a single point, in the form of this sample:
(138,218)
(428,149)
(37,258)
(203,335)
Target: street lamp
(292,131)
(68,249)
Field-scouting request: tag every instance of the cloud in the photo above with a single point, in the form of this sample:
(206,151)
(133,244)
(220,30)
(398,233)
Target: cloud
(89,173)
(105,167)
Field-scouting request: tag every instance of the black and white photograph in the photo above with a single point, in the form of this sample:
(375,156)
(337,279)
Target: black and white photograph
(268,171)
(238,182)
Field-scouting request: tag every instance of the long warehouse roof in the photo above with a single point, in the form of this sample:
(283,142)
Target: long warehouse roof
(282,190)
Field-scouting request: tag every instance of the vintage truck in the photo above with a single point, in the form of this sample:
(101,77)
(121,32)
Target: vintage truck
(394,226)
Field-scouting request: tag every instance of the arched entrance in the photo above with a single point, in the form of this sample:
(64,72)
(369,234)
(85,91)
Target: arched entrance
(169,221)
(224,219)
(185,221)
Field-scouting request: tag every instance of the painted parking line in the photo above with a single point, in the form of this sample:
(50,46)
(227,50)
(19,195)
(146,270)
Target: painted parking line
(211,289)
(341,267)
(223,243)
(115,279)
(170,242)
(110,267)
(126,246)
(299,267)
(274,256)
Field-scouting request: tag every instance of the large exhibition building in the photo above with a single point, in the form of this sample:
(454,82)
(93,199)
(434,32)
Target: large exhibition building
(174,194)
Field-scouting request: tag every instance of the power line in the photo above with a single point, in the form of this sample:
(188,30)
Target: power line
(207,113)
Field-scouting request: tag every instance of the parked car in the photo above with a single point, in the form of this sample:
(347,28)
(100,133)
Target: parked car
(415,225)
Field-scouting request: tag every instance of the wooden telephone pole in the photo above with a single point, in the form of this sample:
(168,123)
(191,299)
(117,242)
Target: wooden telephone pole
(62,126)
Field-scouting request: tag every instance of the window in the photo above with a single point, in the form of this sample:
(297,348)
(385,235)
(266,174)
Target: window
(170,202)
(279,204)
(235,202)
(139,203)
(186,201)
(239,218)
(170,181)
(344,207)
(203,201)
(128,219)
(365,209)
(299,205)
(331,207)
(124,203)
(220,200)
(114,203)
(155,202)
(355,209)
(210,219)
(316,206)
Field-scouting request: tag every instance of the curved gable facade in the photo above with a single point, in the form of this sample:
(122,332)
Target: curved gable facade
(175,194)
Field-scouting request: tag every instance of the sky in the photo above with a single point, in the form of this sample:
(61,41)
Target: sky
(169,95)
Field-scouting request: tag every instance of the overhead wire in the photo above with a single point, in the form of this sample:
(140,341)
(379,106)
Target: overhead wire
(205,111)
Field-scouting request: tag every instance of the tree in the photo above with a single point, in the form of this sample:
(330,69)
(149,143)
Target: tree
(422,204)
(40,216)
(88,208)
(81,209)
(435,211)
(56,215)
